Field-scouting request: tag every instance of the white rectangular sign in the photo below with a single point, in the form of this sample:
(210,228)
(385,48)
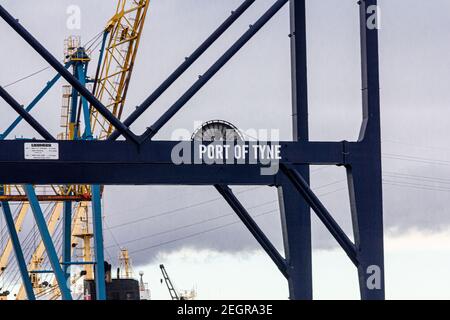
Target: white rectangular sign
(41,151)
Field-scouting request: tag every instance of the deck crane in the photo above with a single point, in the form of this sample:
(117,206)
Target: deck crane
(119,44)
(173,293)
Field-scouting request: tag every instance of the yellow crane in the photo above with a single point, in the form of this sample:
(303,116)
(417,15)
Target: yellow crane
(124,31)
(121,39)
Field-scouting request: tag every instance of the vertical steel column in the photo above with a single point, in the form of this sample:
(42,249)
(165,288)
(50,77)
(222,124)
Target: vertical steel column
(48,242)
(82,72)
(98,243)
(295,212)
(365,173)
(17,250)
(73,129)
(67,238)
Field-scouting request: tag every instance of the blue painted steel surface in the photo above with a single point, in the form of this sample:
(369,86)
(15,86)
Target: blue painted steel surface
(67,238)
(100,285)
(82,74)
(295,212)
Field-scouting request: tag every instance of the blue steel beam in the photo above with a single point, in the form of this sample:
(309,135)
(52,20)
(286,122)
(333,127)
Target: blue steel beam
(322,213)
(44,53)
(82,70)
(100,285)
(119,162)
(67,238)
(48,242)
(160,152)
(141,174)
(295,212)
(216,67)
(185,65)
(74,107)
(365,172)
(33,103)
(253,227)
(361,159)
(17,249)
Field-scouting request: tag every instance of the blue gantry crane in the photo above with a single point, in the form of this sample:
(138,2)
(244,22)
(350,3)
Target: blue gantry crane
(141,160)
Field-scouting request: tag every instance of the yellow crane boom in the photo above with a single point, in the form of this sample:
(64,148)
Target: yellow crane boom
(124,33)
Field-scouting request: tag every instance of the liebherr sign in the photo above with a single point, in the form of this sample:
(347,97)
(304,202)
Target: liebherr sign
(41,151)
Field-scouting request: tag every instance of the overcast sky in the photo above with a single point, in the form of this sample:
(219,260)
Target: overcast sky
(253,91)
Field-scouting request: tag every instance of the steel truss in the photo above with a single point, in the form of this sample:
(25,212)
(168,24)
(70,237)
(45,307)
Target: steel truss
(141,161)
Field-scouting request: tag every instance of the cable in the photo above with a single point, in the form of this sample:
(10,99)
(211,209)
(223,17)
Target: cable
(214,228)
(48,67)
(415,145)
(4,233)
(164,213)
(14,276)
(112,236)
(415,177)
(93,39)
(26,77)
(231,214)
(416,159)
(415,186)
(177,197)
(198,233)
(223,216)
